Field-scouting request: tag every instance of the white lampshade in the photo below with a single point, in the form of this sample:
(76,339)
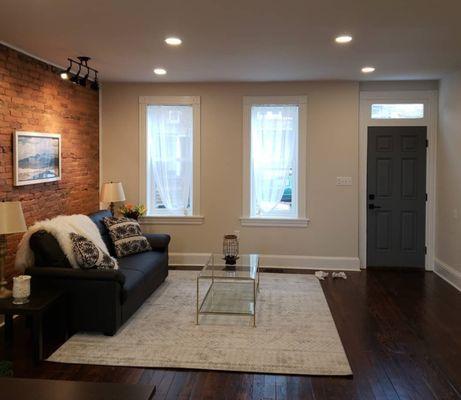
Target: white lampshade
(11,218)
(112,192)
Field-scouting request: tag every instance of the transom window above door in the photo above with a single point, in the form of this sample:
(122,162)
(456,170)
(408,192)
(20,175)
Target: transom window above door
(397,111)
(275,159)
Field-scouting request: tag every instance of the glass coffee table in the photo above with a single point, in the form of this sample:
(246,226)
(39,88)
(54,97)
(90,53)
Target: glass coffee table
(231,289)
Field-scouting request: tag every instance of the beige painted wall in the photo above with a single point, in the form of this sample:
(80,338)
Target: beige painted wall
(332,151)
(448,242)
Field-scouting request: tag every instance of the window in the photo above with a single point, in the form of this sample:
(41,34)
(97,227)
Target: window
(274,167)
(275,154)
(397,111)
(169,159)
(170,155)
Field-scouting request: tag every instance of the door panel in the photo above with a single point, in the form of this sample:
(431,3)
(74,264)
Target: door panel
(396,185)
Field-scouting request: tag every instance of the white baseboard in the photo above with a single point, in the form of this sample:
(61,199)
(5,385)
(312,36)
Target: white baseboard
(448,273)
(188,259)
(277,261)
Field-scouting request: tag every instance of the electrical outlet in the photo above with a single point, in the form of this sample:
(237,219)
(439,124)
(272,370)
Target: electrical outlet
(344,181)
(455,213)
(237,233)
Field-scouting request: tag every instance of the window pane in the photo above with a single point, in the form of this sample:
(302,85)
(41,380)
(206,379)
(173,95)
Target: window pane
(169,176)
(397,111)
(274,143)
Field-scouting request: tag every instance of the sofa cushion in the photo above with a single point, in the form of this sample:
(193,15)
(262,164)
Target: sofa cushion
(142,262)
(47,251)
(89,256)
(139,270)
(133,283)
(126,236)
(98,219)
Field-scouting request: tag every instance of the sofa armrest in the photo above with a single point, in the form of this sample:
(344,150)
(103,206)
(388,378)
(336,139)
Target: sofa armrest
(158,241)
(71,273)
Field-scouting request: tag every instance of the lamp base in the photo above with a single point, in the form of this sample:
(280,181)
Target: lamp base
(5,293)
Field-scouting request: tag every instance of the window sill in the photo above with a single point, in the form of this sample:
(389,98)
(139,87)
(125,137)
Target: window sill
(172,220)
(279,222)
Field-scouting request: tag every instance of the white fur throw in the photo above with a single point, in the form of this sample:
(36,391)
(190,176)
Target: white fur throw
(60,227)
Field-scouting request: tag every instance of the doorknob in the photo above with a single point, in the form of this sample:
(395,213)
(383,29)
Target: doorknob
(372,206)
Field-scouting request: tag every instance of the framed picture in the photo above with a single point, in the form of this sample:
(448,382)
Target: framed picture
(36,157)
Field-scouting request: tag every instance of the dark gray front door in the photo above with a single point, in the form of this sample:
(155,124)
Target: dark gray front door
(396,196)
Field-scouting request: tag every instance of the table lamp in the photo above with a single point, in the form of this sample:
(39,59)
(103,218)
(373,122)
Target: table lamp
(11,221)
(112,192)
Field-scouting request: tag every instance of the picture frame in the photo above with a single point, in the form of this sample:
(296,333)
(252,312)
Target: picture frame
(36,157)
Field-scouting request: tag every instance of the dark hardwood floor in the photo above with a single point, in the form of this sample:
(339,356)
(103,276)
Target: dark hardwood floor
(401,331)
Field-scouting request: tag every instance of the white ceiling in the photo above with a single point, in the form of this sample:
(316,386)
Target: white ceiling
(241,40)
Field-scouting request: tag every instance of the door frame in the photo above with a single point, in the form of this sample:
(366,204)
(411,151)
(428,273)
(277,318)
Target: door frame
(430,100)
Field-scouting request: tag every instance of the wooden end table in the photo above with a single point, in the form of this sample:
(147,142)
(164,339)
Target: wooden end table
(38,304)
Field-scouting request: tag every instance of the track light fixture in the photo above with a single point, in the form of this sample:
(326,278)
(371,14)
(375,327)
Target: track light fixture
(83,67)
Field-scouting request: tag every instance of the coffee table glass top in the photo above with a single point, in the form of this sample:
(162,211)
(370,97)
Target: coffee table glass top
(246,267)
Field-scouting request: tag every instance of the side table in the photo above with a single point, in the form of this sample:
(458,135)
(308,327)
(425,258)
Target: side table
(38,304)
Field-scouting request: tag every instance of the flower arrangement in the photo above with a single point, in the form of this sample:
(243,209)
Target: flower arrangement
(133,211)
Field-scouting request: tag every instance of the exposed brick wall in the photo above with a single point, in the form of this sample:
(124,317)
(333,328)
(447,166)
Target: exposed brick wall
(34,98)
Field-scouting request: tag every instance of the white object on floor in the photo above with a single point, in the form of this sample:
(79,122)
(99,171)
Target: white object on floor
(295,332)
(60,227)
(339,275)
(321,275)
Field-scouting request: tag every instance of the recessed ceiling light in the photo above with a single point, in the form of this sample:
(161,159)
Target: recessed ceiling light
(368,70)
(160,71)
(343,39)
(173,41)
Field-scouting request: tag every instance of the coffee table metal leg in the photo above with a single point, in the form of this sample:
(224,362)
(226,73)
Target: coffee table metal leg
(197,302)
(254,302)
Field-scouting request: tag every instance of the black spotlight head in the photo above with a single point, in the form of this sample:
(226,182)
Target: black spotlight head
(65,74)
(74,78)
(95,84)
(83,80)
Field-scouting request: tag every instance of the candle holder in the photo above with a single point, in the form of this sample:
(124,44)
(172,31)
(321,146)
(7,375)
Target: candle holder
(230,251)
(21,289)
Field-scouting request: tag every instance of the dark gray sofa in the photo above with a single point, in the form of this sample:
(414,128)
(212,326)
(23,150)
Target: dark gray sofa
(100,301)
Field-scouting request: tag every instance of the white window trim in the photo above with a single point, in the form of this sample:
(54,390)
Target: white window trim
(247,219)
(430,120)
(274,222)
(193,101)
(172,220)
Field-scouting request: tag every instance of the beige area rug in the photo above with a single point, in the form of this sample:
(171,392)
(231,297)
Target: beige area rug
(295,333)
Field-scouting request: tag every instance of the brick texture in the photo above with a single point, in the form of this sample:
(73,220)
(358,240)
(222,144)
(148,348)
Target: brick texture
(34,98)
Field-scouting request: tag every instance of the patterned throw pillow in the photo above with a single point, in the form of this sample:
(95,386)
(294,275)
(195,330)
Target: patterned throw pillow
(88,255)
(126,236)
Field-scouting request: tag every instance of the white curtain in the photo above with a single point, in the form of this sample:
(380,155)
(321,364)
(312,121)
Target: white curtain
(274,136)
(169,139)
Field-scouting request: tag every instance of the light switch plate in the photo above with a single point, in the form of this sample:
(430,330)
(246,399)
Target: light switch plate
(344,181)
